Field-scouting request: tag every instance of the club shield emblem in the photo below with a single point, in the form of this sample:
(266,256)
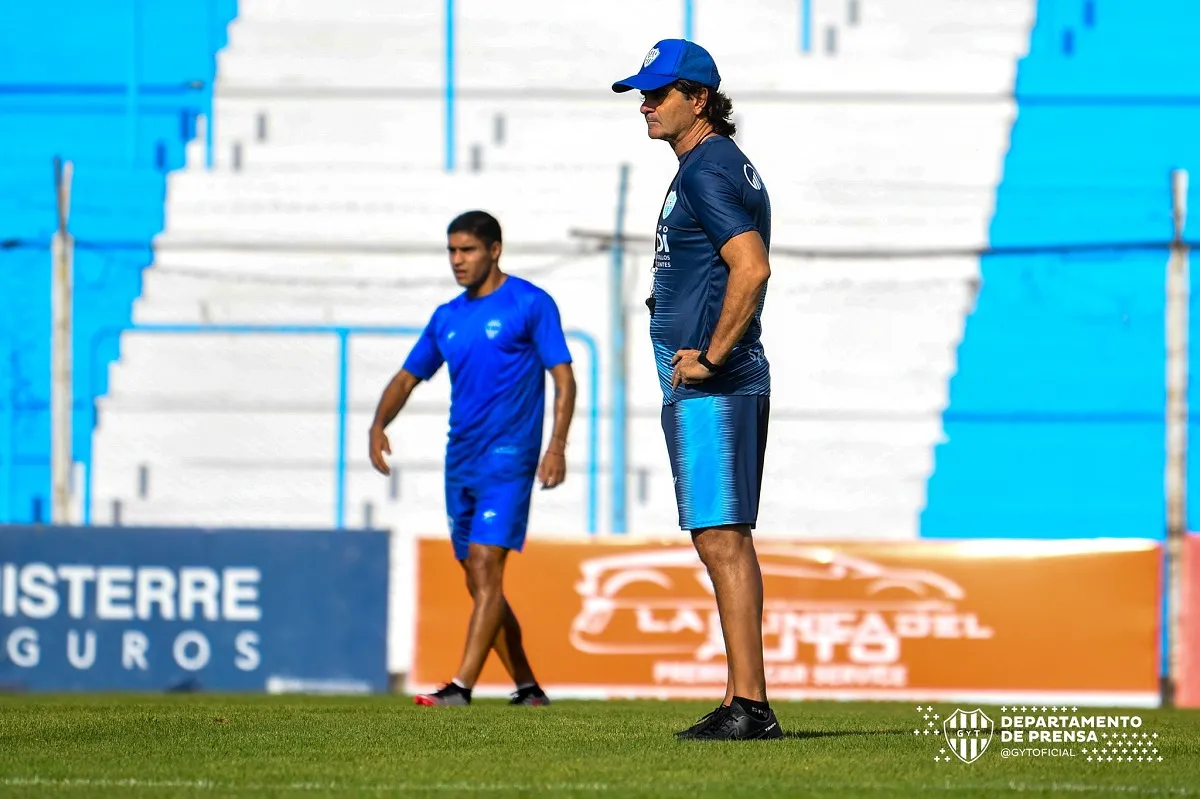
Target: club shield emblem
(968,733)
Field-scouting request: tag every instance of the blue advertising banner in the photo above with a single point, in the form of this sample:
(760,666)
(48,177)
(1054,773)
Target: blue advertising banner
(150,609)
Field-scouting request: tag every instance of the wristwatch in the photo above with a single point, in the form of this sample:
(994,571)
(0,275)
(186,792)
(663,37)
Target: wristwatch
(703,360)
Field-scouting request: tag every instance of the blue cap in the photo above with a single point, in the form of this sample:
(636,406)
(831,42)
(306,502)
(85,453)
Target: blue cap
(671,60)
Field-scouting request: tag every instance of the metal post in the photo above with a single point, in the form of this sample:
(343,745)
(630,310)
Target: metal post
(593,424)
(1178,292)
(806,26)
(209,137)
(450,132)
(343,403)
(689,17)
(8,394)
(617,358)
(215,33)
(86,512)
(61,392)
(131,87)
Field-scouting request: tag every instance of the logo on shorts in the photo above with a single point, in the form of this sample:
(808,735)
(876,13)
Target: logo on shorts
(489,516)
(493,328)
(450,524)
(669,205)
(650,56)
(752,177)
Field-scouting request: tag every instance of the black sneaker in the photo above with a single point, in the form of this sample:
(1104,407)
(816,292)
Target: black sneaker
(533,696)
(738,724)
(448,694)
(711,717)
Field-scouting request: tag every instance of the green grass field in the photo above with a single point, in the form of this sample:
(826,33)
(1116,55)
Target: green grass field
(199,745)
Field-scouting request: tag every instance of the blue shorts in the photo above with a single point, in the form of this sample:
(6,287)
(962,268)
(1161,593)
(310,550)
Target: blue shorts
(717,445)
(494,512)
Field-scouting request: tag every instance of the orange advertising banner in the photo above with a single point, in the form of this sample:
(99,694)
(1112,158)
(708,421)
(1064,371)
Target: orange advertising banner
(992,621)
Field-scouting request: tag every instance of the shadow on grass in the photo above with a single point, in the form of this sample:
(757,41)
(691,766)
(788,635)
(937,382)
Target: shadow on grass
(840,733)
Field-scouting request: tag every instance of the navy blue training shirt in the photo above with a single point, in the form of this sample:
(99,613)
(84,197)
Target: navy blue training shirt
(716,195)
(497,348)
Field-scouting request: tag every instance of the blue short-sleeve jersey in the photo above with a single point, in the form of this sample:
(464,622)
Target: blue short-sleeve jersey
(716,195)
(497,349)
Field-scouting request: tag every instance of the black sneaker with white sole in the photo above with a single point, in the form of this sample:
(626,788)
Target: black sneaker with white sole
(739,724)
(711,717)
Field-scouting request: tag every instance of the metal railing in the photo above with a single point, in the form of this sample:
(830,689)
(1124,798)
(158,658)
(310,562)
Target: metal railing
(343,334)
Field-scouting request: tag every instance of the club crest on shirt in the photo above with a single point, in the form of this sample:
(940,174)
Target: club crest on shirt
(493,328)
(669,205)
(650,56)
(752,176)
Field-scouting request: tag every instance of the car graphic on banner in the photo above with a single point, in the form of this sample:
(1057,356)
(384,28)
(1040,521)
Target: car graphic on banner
(662,601)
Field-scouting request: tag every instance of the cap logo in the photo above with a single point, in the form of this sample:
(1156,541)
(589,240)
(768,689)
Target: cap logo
(650,56)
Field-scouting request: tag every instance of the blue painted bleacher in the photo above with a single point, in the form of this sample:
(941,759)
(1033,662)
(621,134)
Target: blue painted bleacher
(1056,426)
(66,68)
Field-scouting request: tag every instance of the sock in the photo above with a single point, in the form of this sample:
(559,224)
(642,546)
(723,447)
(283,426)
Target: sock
(759,710)
(458,684)
(525,686)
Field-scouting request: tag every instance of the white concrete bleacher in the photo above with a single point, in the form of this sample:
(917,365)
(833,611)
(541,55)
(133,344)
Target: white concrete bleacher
(336,211)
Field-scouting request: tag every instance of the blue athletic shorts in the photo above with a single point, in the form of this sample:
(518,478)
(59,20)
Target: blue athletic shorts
(717,445)
(494,512)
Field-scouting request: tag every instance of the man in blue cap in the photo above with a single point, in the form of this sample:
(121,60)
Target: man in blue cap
(710,277)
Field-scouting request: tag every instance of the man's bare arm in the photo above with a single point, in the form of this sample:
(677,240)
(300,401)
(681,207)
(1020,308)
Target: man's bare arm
(554,465)
(564,402)
(749,271)
(394,398)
